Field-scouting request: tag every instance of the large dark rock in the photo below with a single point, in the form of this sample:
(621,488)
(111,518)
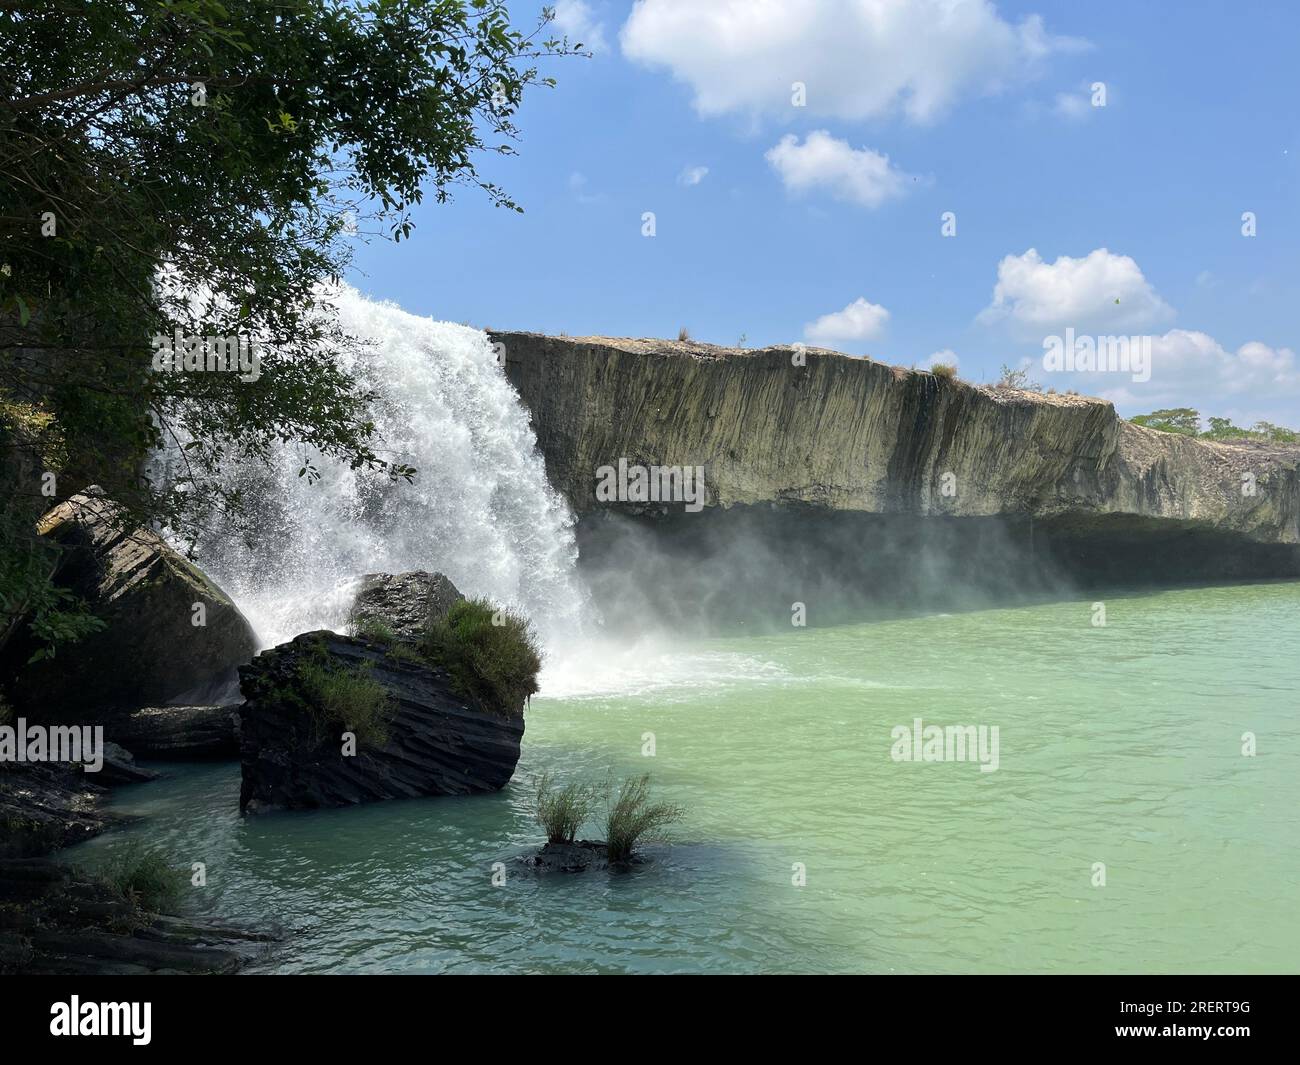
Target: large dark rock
(59,920)
(292,758)
(149,650)
(405,602)
(182,732)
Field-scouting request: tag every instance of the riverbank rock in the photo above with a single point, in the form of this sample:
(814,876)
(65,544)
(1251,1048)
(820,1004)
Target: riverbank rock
(181,732)
(295,752)
(148,596)
(58,920)
(405,602)
(119,767)
(48,805)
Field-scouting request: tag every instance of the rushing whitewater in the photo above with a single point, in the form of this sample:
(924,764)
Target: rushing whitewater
(480,510)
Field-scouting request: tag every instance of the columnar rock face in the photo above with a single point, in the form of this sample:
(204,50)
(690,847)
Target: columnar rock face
(294,758)
(850,434)
(148,596)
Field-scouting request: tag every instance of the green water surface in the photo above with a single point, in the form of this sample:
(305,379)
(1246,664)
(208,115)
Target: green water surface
(1118,744)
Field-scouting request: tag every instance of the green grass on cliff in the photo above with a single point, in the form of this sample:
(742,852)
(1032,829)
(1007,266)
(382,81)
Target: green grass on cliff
(346,698)
(377,630)
(491,654)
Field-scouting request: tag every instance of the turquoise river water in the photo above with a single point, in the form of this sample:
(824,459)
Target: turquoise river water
(1119,744)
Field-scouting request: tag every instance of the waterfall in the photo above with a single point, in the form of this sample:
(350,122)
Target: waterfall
(480,510)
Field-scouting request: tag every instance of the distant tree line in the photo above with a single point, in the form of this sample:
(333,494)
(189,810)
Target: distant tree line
(1187,422)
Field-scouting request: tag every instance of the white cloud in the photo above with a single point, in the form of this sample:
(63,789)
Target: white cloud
(1073,105)
(1256,382)
(857,175)
(1101,290)
(692,175)
(576,20)
(857,58)
(860,320)
(578,186)
(946,357)
(1194,365)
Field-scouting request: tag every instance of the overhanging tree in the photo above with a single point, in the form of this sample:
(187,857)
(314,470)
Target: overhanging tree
(199,165)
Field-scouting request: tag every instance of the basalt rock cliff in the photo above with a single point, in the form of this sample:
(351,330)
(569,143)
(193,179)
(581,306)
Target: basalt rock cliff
(851,434)
(814,447)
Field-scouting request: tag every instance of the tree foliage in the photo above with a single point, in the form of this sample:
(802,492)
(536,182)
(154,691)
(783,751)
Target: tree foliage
(203,166)
(1187,422)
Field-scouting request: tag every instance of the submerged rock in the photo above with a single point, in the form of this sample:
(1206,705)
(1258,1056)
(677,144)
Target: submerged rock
(577,857)
(297,751)
(405,602)
(148,596)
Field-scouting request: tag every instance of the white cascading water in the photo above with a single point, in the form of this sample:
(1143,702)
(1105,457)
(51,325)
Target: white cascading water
(480,510)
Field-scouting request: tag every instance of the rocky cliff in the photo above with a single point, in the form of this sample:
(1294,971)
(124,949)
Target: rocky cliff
(846,486)
(850,434)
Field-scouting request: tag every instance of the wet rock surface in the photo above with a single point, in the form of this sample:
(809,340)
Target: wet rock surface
(577,857)
(435,743)
(406,602)
(48,805)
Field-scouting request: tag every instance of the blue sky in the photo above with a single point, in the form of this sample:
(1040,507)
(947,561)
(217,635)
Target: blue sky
(831,212)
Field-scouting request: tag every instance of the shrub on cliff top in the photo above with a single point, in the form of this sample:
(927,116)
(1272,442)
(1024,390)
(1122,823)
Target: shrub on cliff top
(945,370)
(491,654)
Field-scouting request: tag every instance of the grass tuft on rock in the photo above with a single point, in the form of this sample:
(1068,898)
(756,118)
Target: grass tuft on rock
(632,817)
(945,370)
(346,698)
(490,652)
(142,875)
(374,629)
(563,811)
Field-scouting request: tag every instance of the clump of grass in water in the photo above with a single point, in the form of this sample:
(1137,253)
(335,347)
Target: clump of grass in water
(347,698)
(491,654)
(632,817)
(563,811)
(142,875)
